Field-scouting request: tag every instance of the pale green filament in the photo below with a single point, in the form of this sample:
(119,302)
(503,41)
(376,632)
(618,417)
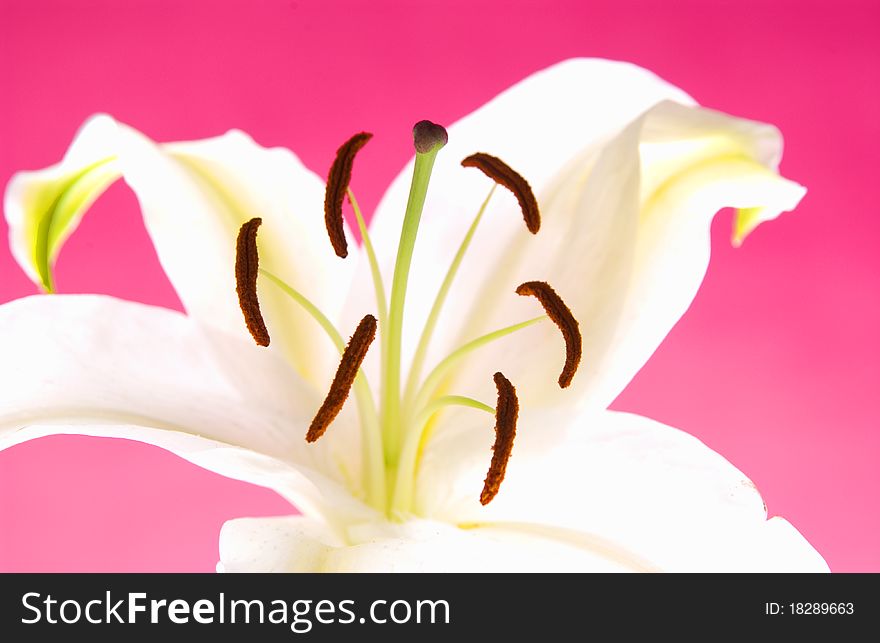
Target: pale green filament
(378,285)
(309,307)
(391,421)
(450,400)
(374,469)
(405,479)
(436,376)
(425,340)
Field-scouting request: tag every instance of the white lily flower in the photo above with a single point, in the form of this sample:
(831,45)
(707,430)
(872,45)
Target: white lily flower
(628,173)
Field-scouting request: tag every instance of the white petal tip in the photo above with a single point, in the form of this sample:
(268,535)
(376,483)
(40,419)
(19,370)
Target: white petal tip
(781,196)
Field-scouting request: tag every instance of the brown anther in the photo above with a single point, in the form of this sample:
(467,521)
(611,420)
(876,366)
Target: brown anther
(351,361)
(247,265)
(503,174)
(337,184)
(506,412)
(562,317)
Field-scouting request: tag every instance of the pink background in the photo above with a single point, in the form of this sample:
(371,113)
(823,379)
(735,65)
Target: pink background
(775,365)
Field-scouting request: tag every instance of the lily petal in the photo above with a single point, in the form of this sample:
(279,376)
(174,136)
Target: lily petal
(43,208)
(194,197)
(693,163)
(658,494)
(214,186)
(298,544)
(275,544)
(99,366)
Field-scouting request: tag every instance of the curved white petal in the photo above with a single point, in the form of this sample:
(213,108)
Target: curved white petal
(275,544)
(656,493)
(693,163)
(298,544)
(426,546)
(628,182)
(99,366)
(43,208)
(194,197)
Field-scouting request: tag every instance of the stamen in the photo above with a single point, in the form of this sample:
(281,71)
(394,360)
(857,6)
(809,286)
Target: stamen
(401,501)
(503,174)
(374,461)
(562,317)
(506,412)
(435,378)
(247,265)
(337,184)
(349,365)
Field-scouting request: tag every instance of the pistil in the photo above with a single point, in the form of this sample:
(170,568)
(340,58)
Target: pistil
(428,138)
